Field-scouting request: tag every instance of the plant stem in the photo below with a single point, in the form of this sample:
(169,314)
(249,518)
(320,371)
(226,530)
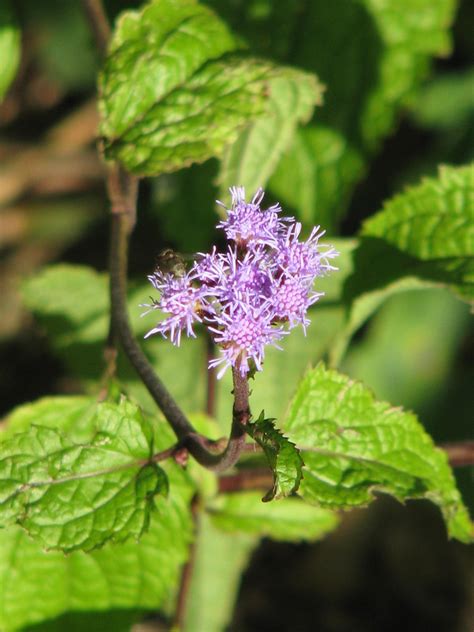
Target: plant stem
(118,274)
(211,378)
(201,448)
(99,23)
(460,453)
(122,188)
(246,479)
(240,415)
(187,572)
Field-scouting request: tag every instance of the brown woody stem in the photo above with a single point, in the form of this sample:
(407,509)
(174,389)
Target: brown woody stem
(98,22)
(460,453)
(122,188)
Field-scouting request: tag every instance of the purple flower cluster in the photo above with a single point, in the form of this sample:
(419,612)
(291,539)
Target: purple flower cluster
(253,294)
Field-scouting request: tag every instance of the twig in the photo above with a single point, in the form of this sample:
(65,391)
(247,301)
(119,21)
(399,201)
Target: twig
(211,379)
(122,189)
(187,572)
(459,453)
(98,22)
(118,271)
(247,479)
(240,415)
(206,452)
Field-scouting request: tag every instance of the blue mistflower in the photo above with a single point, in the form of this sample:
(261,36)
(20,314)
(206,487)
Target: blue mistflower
(242,332)
(291,299)
(250,296)
(246,223)
(182,300)
(303,258)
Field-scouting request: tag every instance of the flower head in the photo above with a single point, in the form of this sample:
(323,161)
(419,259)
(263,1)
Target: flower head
(247,224)
(182,300)
(297,257)
(242,332)
(251,295)
(245,279)
(292,297)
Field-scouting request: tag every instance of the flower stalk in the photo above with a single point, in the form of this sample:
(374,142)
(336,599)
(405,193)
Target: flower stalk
(122,188)
(208,453)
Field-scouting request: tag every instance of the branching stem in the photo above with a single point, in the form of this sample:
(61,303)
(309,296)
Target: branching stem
(122,188)
(118,271)
(206,452)
(187,572)
(211,379)
(98,22)
(460,453)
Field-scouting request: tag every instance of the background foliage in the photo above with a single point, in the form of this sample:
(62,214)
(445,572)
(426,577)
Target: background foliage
(357,116)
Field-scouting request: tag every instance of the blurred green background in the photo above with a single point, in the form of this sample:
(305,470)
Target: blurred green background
(387,568)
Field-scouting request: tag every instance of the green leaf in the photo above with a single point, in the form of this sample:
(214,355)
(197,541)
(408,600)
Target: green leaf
(71,300)
(353,446)
(433,222)
(74,414)
(290,519)
(446,102)
(423,238)
(421,332)
(80,495)
(282,455)
(78,328)
(368,76)
(9,47)
(190,97)
(252,158)
(317,174)
(217,571)
(38,585)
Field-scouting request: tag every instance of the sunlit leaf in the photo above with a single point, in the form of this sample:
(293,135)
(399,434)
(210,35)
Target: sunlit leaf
(422,238)
(433,222)
(72,495)
(353,446)
(368,76)
(38,585)
(9,46)
(190,97)
(289,519)
(282,455)
(251,160)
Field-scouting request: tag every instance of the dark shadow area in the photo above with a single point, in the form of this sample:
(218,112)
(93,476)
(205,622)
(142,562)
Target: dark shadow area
(345,55)
(116,620)
(387,568)
(377,264)
(28,370)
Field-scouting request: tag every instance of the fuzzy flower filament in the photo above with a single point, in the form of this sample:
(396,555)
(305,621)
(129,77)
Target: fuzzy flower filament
(182,300)
(250,296)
